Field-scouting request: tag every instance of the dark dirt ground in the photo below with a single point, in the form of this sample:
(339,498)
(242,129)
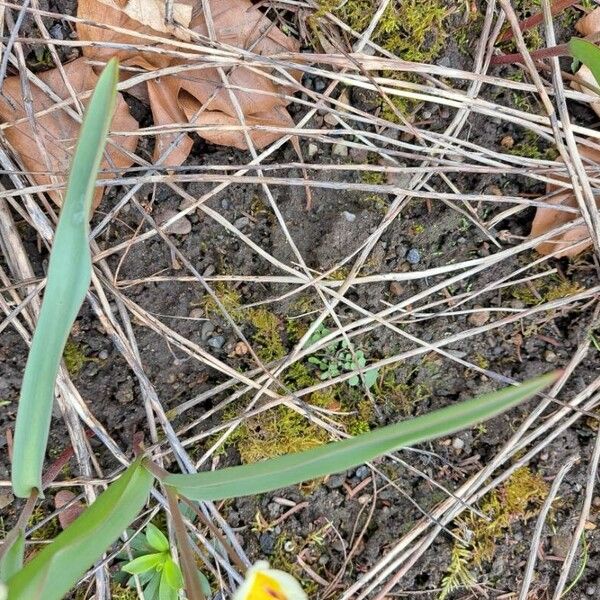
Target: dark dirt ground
(324,236)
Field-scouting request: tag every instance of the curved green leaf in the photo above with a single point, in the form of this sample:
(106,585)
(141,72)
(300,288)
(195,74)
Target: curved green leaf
(141,564)
(156,538)
(172,574)
(56,568)
(339,456)
(69,274)
(165,591)
(12,557)
(588,54)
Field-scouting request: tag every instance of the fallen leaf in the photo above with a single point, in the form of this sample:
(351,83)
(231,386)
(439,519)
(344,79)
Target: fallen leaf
(590,23)
(587,77)
(198,94)
(152,14)
(45,147)
(547,219)
(69,514)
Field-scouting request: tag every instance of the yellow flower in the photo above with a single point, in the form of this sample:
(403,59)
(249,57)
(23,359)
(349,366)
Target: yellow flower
(264,583)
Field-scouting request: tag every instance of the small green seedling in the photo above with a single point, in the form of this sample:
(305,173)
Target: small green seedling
(158,574)
(587,53)
(336,358)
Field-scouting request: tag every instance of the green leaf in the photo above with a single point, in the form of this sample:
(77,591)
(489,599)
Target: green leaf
(59,565)
(353,381)
(156,538)
(371,377)
(165,591)
(204,584)
(338,456)
(172,574)
(141,564)
(69,274)
(12,557)
(151,590)
(588,54)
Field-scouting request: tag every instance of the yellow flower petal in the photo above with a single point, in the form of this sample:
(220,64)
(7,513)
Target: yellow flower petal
(264,583)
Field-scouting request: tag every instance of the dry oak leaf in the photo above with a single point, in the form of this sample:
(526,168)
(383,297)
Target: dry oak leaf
(198,95)
(69,514)
(152,13)
(547,219)
(590,23)
(45,147)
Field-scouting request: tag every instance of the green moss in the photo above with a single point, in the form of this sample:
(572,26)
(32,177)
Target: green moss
(533,146)
(74,357)
(401,395)
(266,334)
(229,297)
(518,500)
(534,40)
(545,289)
(372,177)
(46,532)
(118,592)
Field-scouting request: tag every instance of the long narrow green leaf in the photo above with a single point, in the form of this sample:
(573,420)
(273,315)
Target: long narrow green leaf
(69,274)
(339,456)
(588,54)
(59,566)
(12,558)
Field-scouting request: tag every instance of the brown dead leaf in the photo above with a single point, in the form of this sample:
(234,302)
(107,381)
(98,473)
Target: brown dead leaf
(69,514)
(198,94)
(590,23)
(152,14)
(547,219)
(586,76)
(46,146)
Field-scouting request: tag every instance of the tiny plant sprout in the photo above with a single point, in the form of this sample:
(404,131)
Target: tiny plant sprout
(264,583)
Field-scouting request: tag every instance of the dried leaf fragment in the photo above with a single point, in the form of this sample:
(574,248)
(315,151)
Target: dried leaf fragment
(590,23)
(152,13)
(46,145)
(547,219)
(198,94)
(69,514)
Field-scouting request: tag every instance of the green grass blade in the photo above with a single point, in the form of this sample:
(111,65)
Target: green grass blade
(69,275)
(588,54)
(12,558)
(59,566)
(339,456)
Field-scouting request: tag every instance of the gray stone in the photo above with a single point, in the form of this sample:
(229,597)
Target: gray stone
(362,472)
(56,31)
(458,444)
(350,217)
(413,256)
(103,355)
(339,150)
(217,342)
(207,330)
(312,150)
(335,481)
(181,227)
(267,542)
(241,222)
(479,318)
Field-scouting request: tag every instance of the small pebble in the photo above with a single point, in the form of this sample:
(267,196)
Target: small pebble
(103,355)
(289,546)
(590,590)
(350,217)
(320,85)
(339,150)
(364,499)
(457,443)
(396,289)
(56,31)
(312,150)
(196,313)
(335,481)
(479,318)
(241,222)
(507,142)
(181,227)
(209,271)
(413,256)
(207,330)
(550,356)
(217,342)
(225,204)
(267,542)
(362,472)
